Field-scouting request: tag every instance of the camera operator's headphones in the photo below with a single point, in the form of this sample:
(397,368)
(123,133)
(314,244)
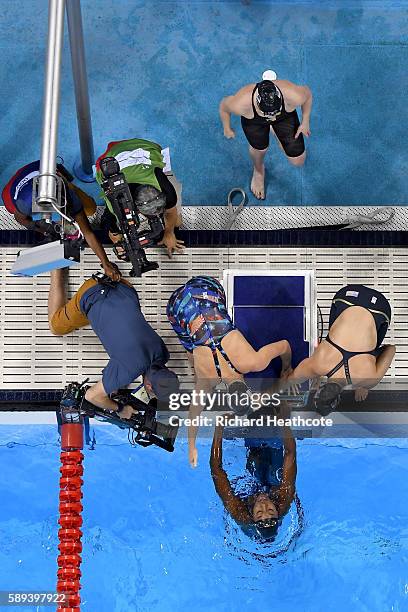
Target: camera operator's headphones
(149,200)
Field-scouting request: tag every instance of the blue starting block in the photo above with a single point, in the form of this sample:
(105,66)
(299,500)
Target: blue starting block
(271,305)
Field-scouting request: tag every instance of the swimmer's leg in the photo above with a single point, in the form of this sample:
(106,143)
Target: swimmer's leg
(278,141)
(294,161)
(258,177)
(285,132)
(297,161)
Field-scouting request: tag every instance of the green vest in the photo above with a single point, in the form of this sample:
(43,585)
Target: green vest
(138,172)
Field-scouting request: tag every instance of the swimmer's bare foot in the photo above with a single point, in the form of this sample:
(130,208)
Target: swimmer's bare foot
(258,184)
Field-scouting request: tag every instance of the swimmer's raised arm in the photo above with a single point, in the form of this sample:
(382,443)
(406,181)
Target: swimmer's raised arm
(233,504)
(286,491)
(194,411)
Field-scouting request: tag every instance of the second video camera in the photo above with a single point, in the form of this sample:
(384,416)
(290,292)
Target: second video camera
(119,195)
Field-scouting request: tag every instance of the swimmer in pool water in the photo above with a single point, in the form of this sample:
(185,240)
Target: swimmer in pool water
(264,107)
(217,350)
(352,354)
(272,465)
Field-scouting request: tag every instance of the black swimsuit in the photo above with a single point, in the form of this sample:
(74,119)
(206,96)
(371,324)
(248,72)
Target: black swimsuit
(359,295)
(257,130)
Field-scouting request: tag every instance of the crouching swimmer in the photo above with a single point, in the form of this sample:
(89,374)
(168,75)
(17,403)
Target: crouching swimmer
(352,354)
(135,349)
(218,351)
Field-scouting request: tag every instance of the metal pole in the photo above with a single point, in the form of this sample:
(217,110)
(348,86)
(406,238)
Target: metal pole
(47,184)
(76,40)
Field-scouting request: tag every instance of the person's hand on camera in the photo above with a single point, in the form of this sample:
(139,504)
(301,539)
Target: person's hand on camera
(112,271)
(171,243)
(126,412)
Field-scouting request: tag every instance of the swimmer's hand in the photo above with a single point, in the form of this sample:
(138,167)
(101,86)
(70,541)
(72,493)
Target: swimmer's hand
(304,128)
(289,386)
(360,394)
(193,456)
(112,271)
(229,133)
(171,243)
(286,372)
(292,388)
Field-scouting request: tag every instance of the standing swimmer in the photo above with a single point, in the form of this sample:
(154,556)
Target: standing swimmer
(265,106)
(219,352)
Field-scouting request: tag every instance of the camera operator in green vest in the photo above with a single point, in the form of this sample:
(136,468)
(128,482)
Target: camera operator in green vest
(142,163)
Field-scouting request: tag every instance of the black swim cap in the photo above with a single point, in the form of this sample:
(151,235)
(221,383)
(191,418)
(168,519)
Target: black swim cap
(327,398)
(269,98)
(239,398)
(262,531)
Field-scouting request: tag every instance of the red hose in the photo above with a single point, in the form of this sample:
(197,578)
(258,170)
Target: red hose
(70,517)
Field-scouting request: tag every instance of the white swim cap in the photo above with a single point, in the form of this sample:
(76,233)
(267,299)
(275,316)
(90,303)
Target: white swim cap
(269,75)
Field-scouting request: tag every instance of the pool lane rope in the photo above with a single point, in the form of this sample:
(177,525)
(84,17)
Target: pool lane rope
(70,516)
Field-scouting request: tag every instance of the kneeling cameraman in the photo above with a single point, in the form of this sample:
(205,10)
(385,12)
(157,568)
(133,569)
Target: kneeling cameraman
(17,197)
(113,311)
(141,162)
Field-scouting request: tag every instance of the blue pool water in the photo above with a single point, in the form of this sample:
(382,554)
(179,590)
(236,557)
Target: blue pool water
(158,69)
(156,538)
